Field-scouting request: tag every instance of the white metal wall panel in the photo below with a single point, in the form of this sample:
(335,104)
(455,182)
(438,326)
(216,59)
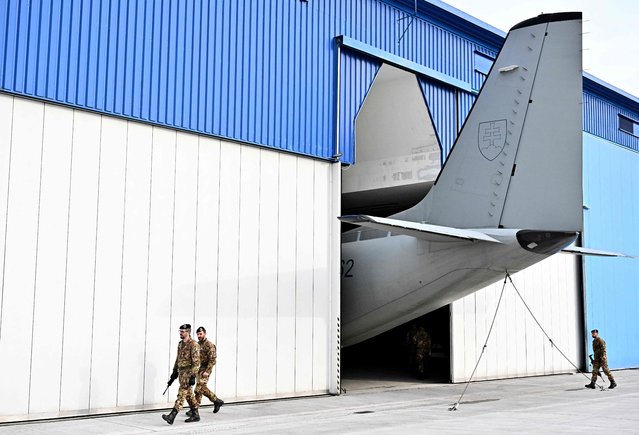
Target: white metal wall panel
(118,232)
(44,386)
(494,358)
(206,289)
(248,273)
(304,278)
(534,336)
(21,246)
(321,277)
(80,269)
(6,122)
(517,347)
(184,232)
(267,282)
(135,252)
(161,335)
(107,284)
(286,275)
(226,340)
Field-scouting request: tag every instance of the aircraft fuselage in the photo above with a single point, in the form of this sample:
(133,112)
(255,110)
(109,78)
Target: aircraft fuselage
(392,279)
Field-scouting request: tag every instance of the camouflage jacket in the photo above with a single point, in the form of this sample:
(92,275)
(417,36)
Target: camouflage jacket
(421,339)
(188,357)
(208,355)
(599,347)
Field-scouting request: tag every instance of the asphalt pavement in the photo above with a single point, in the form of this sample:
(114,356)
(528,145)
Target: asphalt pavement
(544,404)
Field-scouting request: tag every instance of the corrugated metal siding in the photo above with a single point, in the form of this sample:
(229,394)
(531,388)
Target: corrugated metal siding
(357,73)
(465,102)
(441,102)
(251,71)
(601,118)
(611,192)
(242,70)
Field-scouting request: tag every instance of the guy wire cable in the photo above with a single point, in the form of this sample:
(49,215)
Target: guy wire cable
(456,405)
(552,343)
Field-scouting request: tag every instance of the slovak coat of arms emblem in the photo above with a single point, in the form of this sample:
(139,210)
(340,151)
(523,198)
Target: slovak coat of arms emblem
(491,138)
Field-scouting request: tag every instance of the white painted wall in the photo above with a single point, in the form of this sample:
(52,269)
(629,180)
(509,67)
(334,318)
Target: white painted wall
(517,347)
(114,233)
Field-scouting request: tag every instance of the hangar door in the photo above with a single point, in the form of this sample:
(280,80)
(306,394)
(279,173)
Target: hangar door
(517,346)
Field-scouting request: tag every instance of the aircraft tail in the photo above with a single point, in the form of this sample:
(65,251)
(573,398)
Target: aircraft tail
(517,161)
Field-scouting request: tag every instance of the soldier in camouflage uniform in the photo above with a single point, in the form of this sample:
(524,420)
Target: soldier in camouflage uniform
(600,360)
(421,341)
(208,356)
(185,369)
(410,347)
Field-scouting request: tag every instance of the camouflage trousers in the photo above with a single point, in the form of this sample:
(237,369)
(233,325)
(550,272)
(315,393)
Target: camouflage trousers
(601,363)
(185,392)
(202,390)
(421,361)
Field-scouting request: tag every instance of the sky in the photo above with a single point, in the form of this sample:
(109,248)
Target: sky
(611,31)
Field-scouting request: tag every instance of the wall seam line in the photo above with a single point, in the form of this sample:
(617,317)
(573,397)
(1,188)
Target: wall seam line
(239,262)
(6,219)
(126,169)
(35,271)
(148,265)
(95,258)
(66,260)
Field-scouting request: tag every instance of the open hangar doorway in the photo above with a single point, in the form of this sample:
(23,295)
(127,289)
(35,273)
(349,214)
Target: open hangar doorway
(388,360)
(398,157)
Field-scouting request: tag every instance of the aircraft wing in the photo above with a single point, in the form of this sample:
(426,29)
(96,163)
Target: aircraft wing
(594,252)
(432,233)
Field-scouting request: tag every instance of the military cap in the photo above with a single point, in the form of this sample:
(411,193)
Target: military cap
(202,329)
(595,330)
(186,326)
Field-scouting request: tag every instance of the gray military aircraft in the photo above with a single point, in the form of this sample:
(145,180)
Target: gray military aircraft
(509,194)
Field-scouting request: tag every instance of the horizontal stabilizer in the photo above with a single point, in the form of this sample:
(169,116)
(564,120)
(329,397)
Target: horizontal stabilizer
(594,252)
(432,233)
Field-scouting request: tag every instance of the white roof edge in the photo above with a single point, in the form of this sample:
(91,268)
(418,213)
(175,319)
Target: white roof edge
(467,17)
(611,87)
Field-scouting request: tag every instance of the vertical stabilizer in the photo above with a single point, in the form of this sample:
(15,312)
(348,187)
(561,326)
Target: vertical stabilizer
(517,161)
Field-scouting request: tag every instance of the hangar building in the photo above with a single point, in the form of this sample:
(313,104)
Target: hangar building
(170,162)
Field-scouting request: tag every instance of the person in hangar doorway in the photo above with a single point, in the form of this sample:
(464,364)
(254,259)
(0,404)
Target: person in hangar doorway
(419,350)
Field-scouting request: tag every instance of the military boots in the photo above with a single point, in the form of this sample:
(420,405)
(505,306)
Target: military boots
(195,416)
(170,417)
(613,384)
(217,404)
(590,385)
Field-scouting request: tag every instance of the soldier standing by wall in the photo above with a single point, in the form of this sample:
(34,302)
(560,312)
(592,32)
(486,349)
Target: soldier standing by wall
(185,369)
(208,356)
(600,361)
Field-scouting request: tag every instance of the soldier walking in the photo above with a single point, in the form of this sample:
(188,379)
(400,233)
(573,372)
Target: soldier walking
(600,361)
(208,356)
(185,369)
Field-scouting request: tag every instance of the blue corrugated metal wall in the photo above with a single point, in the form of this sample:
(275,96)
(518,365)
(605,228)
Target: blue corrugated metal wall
(611,192)
(244,70)
(357,73)
(442,104)
(254,71)
(601,118)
